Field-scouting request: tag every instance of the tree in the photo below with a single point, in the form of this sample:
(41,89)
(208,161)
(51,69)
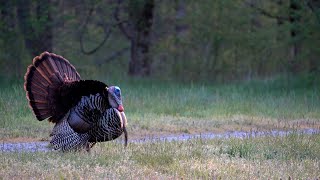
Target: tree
(138,31)
(141,14)
(314,5)
(26,24)
(134,19)
(35,23)
(295,33)
(9,35)
(294,19)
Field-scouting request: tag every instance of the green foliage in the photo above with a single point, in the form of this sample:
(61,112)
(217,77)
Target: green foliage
(231,40)
(135,10)
(192,40)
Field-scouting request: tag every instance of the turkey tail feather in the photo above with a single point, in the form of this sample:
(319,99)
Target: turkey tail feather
(42,80)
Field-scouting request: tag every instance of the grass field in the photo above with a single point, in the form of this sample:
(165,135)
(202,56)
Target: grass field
(292,156)
(157,108)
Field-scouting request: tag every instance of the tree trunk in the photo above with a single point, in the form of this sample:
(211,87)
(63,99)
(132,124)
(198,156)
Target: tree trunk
(46,35)
(314,64)
(139,64)
(255,25)
(295,33)
(11,55)
(37,35)
(142,17)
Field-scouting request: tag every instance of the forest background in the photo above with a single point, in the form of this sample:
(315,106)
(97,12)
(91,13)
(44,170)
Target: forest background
(179,40)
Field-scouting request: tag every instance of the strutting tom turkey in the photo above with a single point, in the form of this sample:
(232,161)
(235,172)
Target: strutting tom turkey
(84,111)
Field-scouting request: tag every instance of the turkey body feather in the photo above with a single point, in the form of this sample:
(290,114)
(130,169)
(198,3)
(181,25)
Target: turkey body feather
(84,111)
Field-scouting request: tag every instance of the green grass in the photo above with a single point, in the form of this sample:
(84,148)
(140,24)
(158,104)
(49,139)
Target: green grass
(295,156)
(157,107)
(174,107)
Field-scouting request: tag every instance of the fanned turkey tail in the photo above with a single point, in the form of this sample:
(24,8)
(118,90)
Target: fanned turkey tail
(42,80)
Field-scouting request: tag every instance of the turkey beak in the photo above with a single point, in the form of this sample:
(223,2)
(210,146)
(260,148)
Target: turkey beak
(124,128)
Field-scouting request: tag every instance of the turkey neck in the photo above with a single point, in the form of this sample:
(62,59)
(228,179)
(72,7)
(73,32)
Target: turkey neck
(108,127)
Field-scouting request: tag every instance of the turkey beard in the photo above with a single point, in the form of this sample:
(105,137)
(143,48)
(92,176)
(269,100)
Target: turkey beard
(123,120)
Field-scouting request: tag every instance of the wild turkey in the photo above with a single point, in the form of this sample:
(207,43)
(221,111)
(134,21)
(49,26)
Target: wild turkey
(84,111)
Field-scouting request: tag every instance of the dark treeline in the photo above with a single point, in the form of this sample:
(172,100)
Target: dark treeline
(180,39)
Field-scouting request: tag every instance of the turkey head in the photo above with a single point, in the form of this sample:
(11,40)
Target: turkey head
(114,97)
